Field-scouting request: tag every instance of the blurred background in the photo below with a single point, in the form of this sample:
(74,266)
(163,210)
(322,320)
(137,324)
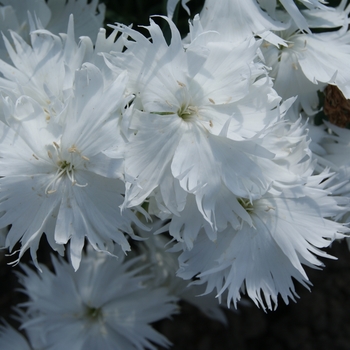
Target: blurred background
(319,320)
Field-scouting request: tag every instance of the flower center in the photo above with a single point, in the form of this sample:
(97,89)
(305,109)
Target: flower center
(93,313)
(93,316)
(64,167)
(187,113)
(246,204)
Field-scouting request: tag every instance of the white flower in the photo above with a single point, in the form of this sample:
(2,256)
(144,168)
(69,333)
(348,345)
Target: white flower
(14,16)
(45,68)
(262,259)
(106,304)
(238,20)
(199,119)
(293,11)
(327,17)
(309,63)
(63,178)
(235,20)
(245,12)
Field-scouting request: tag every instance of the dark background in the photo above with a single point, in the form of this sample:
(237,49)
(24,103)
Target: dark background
(320,320)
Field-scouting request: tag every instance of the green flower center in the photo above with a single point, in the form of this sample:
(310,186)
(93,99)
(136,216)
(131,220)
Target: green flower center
(65,166)
(246,204)
(93,313)
(187,113)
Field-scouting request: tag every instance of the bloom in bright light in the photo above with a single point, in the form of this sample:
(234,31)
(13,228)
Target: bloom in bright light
(327,17)
(197,128)
(262,259)
(292,9)
(45,68)
(238,20)
(65,179)
(288,225)
(106,304)
(309,63)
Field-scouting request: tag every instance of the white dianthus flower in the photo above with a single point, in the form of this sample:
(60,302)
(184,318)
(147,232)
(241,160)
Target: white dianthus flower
(238,20)
(45,68)
(65,179)
(106,304)
(309,63)
(293,10)
(198,126)
(327,17)
(262,259)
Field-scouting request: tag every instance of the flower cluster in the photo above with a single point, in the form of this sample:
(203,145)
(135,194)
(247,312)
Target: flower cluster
(168,167)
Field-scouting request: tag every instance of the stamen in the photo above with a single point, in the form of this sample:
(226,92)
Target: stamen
(73,149)
(67,169)
(246,203)
(186,112)
(64,167)
(58,174)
